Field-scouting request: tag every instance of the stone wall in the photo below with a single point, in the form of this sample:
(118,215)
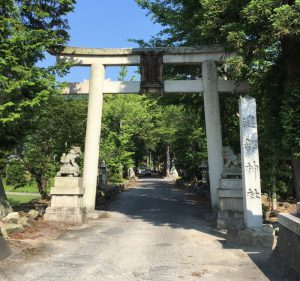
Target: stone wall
(288,243)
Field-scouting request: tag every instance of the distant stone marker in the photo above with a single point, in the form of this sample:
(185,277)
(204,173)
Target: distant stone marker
(250,163)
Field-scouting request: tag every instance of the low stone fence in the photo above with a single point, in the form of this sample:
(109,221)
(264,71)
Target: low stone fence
(288,243)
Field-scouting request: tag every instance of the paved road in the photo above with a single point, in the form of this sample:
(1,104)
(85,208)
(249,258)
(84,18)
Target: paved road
(153,232)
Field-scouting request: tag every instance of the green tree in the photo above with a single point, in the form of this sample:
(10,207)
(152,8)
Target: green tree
(28,29)
(126,131)
(56,126)
(266,36)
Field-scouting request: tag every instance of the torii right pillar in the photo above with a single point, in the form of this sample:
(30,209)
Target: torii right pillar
(213,128)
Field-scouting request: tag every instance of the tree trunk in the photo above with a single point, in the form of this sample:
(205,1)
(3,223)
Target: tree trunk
(296,169)
(168,160)
(42,184)
(274,195)
(291,62)
(5,208)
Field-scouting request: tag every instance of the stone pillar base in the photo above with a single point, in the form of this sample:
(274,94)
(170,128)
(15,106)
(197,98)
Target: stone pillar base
(231,209)
(260,237)
(66,201)
(65,214)
(230,219)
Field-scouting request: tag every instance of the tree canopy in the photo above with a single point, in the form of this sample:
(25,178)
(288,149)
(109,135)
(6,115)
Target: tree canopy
(265,34)
(28,29)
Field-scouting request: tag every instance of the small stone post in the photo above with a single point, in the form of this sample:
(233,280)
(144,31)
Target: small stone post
(250,163)
(103,173)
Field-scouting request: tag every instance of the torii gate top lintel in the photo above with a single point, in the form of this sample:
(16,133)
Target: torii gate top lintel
(131,56)
(136,56)
(99,52)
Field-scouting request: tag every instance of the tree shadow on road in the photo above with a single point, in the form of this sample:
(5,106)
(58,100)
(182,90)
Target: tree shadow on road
(163,204)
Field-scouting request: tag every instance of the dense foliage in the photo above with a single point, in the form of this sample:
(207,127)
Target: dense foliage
(28,29)
(266,36)
(37,125)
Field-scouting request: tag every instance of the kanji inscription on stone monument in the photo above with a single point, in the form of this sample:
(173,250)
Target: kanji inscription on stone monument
(250,162)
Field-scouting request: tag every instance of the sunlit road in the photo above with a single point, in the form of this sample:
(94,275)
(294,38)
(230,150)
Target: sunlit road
(152,232)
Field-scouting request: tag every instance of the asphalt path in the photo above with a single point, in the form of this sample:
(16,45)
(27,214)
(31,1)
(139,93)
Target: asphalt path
(152,232)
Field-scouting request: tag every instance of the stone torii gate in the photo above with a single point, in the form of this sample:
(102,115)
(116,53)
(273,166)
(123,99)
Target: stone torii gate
(151,61)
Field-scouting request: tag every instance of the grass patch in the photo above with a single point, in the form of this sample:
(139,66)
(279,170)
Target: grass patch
(28,188)
(17,200)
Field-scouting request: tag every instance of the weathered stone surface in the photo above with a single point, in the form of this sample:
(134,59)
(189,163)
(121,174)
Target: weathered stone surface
(288,243)
(290,221)
(298,208)
(11,228)
(67,190)
(232,184)
(250,162)
(33,214)
(79,51)
(261,236)
(66,201)
(231,193)
(65,214)
(230,220)
(94,215)
(69,166)
(65,182)
(24,221)
(232,163)
(12,217)
(227,204)
(288,248)
(231,208)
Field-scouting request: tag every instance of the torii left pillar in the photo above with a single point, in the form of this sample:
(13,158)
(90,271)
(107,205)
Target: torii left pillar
(93,131)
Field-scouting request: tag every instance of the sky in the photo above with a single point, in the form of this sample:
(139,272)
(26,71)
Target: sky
(106,24)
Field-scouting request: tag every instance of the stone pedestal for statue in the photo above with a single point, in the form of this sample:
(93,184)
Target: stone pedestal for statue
(67,192)
(66,201)
(231,209)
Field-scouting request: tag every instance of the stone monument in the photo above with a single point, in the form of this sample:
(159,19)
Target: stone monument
(254,233)
(250,163)
(67,192)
